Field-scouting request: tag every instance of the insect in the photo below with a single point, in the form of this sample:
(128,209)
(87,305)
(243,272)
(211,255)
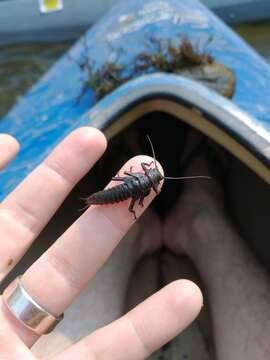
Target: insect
(135,186)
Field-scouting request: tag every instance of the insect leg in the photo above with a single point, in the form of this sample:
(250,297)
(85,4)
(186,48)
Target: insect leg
(134,176)
(130,174)
(155,189)
(141,200)
(118,178)
(131,206)
(145,165)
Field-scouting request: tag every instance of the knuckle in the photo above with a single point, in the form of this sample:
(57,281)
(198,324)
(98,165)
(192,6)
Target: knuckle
(65,269)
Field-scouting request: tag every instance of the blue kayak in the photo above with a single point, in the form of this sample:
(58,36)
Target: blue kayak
(68,96)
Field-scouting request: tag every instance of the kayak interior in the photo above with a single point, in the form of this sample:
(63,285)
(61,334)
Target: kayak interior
(248,209)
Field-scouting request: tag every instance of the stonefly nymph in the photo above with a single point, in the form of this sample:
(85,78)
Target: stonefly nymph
(135,185)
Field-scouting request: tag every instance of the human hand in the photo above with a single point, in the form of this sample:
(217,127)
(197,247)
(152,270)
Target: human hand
(58,276)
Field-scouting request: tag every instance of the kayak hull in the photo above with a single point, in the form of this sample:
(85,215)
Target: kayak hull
(51,109)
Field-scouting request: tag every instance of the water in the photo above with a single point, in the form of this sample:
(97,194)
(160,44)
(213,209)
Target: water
(22,65)
(258,36)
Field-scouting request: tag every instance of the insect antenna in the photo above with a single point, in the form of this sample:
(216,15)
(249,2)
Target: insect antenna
(176,178)
(187,177)
(153,151)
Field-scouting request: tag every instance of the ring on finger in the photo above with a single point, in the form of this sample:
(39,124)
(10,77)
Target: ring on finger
(27,310)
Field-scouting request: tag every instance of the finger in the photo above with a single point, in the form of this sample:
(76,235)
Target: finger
(9,147)
(80,252)
(25,212)
(143,330)
(11,347)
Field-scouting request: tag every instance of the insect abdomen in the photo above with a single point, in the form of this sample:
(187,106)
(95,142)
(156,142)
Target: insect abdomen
(110,196)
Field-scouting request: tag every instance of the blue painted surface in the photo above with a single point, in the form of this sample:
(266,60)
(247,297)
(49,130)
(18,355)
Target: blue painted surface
(49,111)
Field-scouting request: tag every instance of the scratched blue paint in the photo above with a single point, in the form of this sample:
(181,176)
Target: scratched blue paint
(49,111)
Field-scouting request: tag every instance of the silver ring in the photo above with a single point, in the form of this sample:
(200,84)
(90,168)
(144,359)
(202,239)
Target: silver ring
(27,310)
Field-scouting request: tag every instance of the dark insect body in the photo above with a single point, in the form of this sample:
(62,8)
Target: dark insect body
(135,186)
